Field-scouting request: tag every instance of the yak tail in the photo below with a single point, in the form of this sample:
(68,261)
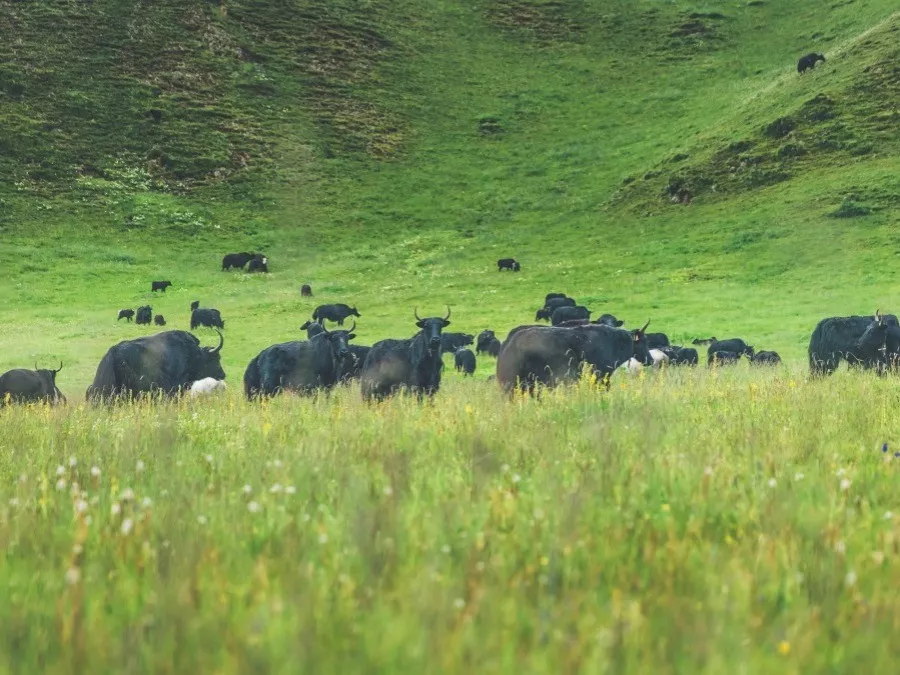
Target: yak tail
(104,385)
(252,384)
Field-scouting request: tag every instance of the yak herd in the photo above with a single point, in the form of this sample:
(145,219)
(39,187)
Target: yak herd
(532,355)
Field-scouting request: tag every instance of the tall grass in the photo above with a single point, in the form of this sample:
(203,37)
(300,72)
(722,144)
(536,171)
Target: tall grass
(690,521)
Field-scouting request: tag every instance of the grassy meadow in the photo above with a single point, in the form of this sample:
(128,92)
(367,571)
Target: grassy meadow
(388,152)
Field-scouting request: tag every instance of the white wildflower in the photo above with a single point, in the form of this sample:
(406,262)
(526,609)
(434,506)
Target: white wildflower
(73,462)
(254,507)
(516,478)
(388,491)
(95,471)
(275,489)
(798,477)
(445,549)
(61,485)
(459,603)
(73,576)
(289,490)
(77,549)
(140,466)
(146,502)
(202,520)
(209,459)
(772,482)
(323,538)
(116,509)
(126,495)
(127,527)
(14,502)
(888,515)
(81,506)
(708,471)
(60,470)
(850,579)
(840,547)
(845,484)
(877,557)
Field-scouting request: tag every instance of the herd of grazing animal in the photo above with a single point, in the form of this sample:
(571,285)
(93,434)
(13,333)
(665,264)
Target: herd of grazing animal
(532,356)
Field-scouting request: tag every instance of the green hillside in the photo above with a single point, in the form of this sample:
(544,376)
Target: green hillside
(655,160)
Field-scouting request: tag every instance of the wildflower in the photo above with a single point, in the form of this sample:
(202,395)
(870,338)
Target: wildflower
(139,466)
(61,485)
(73,576)
(459,603)
(840,547)
(798,477)
(538,514)
(840,472)
(877,557)
(95,471)
(77,549)
(277,463)
(504,468)
(289,490)
(388,491)
(116,509)
(14,502)
(708,471)
(209,459)
(323,538)
(254,507)
(201,520)
(445,549)
(850,579)
(784,647)
(772,482)
(146,502)
(275,489)
(60,470)
(73,462)
(81,506)
(888,515)
(845,484)
(127,527)
(248,490)
(479,566)
(23,478)
(126,495)
(666,508)
(516,478)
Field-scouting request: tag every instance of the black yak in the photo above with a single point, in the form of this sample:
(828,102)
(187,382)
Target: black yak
(259,263)
(165,363)
(159,286)
(764,358)
(159,320)
(809,62)
(313,328)
(837,338)
(298,366)
(236,260)
(144,315)
(534,355)
(127,314)
(337,313)
(561,314)
(510,264)
(464,360)
(414,364)
(306,291)
(211,318)
(30,386)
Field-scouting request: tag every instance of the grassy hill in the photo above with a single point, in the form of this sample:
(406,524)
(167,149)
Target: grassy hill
(389,152)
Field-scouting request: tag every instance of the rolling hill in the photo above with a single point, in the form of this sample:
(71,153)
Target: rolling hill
(654,160)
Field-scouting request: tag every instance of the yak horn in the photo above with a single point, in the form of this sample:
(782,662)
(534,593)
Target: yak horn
(60,367)
(221,342)
(448,313)
(416,314)
(645,326)
(352,328)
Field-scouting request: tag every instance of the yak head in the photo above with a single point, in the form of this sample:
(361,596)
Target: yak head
(544,314)
(873,342)
(48,380)
(608,320)
(353,312)
(641,347)
(339,341)
(313,328)
(431,329)
(211,362)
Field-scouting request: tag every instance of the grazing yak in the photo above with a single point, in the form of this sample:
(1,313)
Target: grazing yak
(30,386)
(809,62)
(561,314)
(236,260)
(838,338)
(144,315)
(351,367)
(510,264)
(166,363)
(159,286)
(259,263)
(535,355)
(487,343)
(551,305)
(451,342)
(159,320)
(306,291)
(207,386)
(764,358)
(464,360)
(312,328)
(127,314)
(298,366)
(414,364)
(337,313)
(722,357)
(211,318)
(682,356)
(735,345)
(195,305)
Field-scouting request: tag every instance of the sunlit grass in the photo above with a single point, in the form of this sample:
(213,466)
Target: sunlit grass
(680,521)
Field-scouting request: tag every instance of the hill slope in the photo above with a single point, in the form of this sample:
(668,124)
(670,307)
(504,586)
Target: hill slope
(389,152)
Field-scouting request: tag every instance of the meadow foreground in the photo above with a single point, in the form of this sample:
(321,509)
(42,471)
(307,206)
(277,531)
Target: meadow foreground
(686,521)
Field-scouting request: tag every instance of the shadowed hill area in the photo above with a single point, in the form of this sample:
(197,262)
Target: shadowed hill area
(655,160)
